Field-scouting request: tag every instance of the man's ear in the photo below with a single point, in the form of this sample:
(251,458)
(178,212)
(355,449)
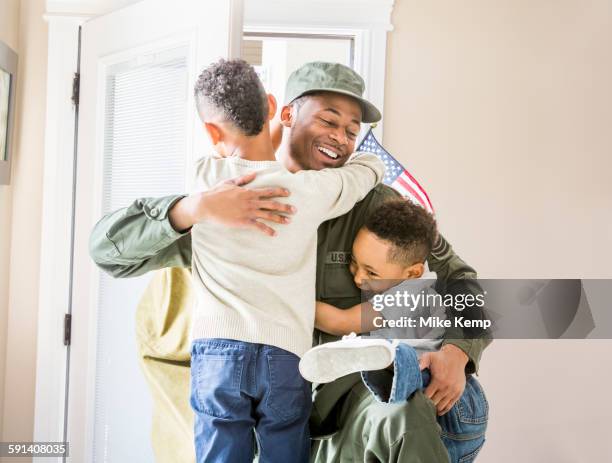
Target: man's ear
(276,133)
(286,116)
(414,271)
(215,134)
(271,106)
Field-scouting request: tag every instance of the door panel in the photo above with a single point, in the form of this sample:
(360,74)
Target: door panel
(138,136)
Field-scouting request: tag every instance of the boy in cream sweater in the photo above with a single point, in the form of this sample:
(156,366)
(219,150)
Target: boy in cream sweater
(254,313)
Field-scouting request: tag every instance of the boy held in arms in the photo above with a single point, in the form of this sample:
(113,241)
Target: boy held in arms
(254,312)
(388,257)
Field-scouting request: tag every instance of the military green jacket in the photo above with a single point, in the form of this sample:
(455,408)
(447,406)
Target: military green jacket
(137,239)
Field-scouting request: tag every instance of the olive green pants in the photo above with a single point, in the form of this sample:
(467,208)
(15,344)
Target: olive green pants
(354,426)
(373,432)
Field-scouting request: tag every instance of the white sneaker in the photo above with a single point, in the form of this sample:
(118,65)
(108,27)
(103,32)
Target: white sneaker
(332,360)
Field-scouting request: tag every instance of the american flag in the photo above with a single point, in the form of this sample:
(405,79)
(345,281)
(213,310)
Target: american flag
(396,176)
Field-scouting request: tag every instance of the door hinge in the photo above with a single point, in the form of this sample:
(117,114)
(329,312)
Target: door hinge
(76,88)
(67,329)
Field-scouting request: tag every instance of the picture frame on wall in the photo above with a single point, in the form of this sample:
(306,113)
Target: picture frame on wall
(8,82)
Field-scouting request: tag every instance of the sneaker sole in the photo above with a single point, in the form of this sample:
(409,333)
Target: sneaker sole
(326,364)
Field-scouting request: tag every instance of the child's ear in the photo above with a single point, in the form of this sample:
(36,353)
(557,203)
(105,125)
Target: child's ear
(286,116)
(414,271)
(272,107)
(213,132)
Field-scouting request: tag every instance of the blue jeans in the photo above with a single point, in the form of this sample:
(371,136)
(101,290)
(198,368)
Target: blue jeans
(239,387)
(463,427)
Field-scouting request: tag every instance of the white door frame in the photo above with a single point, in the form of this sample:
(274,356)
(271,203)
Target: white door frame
(366,20)
(56,226)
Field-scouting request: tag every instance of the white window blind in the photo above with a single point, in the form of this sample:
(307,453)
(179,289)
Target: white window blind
(145,140)
(145,128)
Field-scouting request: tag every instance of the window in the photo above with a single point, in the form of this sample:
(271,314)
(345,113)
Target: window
(276,56)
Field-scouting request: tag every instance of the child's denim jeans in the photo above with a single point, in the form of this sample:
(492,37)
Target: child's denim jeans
(238,387)
(463,427)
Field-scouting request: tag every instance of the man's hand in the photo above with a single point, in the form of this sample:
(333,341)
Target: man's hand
(230,204)
(447,367)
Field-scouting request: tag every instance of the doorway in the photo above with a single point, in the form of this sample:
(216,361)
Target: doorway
(109,410)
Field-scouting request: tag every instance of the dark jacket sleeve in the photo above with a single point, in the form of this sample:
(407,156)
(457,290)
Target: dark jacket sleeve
(458,278)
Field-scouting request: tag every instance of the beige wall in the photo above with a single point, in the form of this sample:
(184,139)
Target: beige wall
(9,34)
(503,110)
(23,206)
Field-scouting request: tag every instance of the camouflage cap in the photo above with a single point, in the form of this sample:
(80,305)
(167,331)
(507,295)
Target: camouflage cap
(320,76)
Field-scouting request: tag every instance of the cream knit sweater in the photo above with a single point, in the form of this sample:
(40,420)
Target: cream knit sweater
(260,289)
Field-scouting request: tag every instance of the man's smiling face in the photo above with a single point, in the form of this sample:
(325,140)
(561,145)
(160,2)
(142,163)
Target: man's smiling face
(324,130)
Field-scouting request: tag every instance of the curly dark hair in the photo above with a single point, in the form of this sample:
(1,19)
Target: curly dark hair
(232,90)
(408,227)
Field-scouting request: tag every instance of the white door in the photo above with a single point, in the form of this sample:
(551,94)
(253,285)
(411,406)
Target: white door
(138,136)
